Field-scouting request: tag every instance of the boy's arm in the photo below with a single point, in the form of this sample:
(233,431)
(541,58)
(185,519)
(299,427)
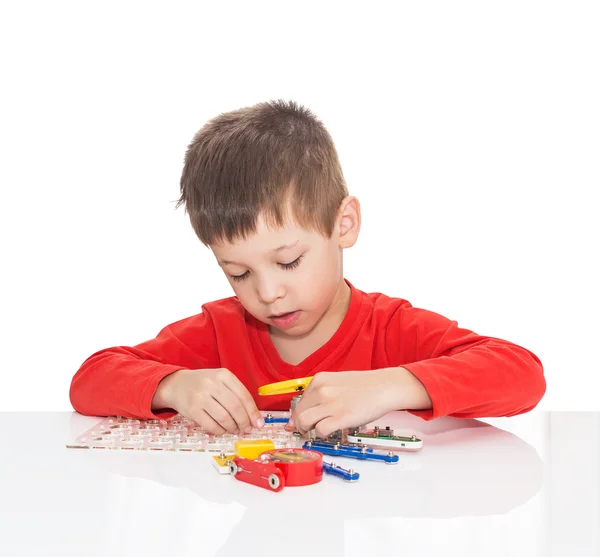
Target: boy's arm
(465,374)
(123,380)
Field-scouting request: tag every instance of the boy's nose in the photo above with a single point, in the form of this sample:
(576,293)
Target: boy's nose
(269,291)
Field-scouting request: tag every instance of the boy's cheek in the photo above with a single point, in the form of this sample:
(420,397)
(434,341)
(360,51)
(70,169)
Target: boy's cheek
(320,288)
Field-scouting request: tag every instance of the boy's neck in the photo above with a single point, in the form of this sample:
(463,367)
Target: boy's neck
(294,350)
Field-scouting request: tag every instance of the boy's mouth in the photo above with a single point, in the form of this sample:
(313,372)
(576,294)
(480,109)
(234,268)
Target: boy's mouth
(285,320)
(280,315)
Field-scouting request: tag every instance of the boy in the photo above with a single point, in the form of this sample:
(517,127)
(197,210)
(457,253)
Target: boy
(264,190)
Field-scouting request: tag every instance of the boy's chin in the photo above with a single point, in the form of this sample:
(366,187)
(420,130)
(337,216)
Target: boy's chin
(295,331)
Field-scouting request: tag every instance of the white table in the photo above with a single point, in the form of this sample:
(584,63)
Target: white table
(527,486)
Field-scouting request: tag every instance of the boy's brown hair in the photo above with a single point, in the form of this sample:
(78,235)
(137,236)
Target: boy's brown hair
(267,159)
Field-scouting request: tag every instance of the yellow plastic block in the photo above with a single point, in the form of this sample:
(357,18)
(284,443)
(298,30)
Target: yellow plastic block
(221,463)
(252,448)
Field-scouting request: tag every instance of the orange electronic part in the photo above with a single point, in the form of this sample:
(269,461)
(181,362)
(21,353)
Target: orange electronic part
(252,448)
(299,466)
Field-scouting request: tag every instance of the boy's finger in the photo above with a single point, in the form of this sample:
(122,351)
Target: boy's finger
(290,425)
(305,419)
(221,416)
(205,421)
(246,399)
(304,405)
(309,399)
(326,427)
(228,400)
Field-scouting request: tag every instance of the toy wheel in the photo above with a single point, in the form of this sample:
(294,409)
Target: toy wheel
(274,481)
(233,468)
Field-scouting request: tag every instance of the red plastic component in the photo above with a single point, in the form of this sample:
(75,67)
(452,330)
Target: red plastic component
(299,466)
(256,472)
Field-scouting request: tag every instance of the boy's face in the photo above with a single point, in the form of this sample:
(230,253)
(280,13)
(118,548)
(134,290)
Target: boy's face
(289,278)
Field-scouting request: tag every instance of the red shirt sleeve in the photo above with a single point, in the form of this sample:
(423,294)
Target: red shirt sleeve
(466,375)
(121,381)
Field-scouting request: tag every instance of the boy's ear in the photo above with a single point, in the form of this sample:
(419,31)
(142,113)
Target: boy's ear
(348,222)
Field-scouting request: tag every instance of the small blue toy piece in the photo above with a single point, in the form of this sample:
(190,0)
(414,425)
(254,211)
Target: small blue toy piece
(335,470)
(350,451)
(273,420)
(278,418)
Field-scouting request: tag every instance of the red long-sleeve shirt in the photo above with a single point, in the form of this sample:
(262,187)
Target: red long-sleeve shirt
(466,375)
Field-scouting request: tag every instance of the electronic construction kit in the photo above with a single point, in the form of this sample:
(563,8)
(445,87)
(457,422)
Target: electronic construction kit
(271,457)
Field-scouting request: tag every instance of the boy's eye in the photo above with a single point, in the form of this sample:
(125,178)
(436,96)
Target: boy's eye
(291,265)
(237,278)
(286,266)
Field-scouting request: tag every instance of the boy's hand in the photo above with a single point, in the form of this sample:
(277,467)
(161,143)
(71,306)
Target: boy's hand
(348,399)
(214,398)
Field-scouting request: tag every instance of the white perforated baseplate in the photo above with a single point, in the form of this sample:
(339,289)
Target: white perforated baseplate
(175,434)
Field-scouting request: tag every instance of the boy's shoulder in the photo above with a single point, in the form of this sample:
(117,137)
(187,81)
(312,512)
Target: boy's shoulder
(226,310)
(384,304)
(227,306)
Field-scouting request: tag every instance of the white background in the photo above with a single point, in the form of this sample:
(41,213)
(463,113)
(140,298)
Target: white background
(469,131)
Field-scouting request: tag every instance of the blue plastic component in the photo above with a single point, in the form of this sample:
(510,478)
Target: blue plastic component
(272,420)
(332,444)
(350,451)
(335,470)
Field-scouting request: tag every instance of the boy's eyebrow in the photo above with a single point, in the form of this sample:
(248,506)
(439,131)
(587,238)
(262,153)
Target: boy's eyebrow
(275,250)
(285,246)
